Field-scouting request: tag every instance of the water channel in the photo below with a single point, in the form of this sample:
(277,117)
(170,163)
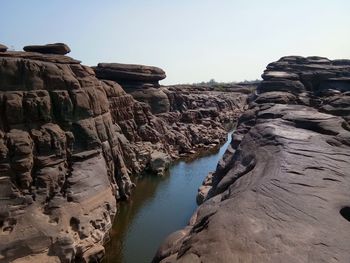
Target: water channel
(158,207)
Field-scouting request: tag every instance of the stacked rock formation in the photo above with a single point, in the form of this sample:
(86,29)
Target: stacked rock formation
(280,193)
(139,80)
(68,144)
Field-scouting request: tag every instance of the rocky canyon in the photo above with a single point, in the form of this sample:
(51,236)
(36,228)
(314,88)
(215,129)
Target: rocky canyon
(73,136)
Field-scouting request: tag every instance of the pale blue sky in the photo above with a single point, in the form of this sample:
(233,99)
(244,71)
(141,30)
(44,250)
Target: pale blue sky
(192,41)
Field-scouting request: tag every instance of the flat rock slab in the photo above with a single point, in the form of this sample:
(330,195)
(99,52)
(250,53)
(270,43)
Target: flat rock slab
(120,72)
(56,48)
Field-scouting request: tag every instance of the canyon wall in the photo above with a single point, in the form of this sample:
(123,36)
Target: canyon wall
(281,191)
(71,138)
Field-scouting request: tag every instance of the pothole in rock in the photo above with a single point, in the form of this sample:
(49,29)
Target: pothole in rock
(345,212)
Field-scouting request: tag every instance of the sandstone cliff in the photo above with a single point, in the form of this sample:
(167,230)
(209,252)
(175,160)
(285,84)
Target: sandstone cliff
(69,142)
(281,191)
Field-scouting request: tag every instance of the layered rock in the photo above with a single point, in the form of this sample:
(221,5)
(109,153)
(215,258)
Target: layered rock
(69,142)
(280,192)
(59,159)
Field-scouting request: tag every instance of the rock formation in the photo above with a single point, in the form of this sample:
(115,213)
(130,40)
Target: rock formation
(57,48)
(142,82)
(3,48)
(69,142)
(280,192)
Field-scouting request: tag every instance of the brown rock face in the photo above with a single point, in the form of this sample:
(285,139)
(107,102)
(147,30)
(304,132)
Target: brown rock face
(57,48)
(68,143)
(280,192)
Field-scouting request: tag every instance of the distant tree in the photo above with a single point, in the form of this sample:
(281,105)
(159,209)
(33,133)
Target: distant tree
(212,81)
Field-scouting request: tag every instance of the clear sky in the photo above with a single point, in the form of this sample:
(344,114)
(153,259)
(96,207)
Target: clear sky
(192,40)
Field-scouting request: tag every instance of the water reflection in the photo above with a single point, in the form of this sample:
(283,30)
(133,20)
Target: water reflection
(159,206)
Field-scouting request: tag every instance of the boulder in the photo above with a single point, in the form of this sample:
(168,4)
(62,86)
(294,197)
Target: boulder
(154,97)
(159,163)
(56,48)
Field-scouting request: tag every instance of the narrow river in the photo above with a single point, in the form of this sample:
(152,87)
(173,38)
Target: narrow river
(158,207)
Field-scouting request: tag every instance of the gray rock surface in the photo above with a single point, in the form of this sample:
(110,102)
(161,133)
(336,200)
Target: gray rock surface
(280,192)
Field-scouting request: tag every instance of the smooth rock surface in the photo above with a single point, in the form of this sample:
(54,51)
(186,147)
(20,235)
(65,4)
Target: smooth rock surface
(280,192)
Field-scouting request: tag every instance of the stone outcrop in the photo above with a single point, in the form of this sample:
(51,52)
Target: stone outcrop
(69,142)
(57,48)
(280,192)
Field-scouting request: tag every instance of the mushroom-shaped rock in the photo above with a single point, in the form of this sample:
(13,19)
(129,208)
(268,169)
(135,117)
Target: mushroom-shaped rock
(129,72)
(56,48)
(3,48)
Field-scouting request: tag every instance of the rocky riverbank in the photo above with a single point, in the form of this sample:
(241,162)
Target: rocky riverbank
(280,193)
(71,136)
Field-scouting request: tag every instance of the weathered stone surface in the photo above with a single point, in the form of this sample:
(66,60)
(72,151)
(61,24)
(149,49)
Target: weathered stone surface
(56,48)
(280,192)
(3,48)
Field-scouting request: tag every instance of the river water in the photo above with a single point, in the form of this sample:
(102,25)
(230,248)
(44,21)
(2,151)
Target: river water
(158,207)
